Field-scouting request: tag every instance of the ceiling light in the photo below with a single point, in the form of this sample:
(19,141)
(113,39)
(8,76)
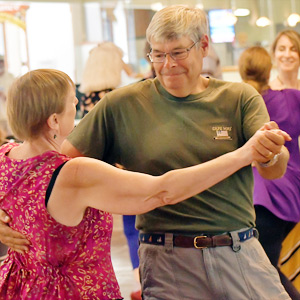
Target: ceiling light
(293,19)
(230,18)
(263,22)
(199,6)
(157,6)
(242,12)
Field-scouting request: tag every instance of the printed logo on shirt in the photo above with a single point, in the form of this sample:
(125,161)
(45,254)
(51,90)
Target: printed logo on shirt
(222,132)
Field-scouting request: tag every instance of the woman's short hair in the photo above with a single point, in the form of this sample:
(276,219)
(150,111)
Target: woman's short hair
(32,99)
(294,37)
(176,21)
(255,65)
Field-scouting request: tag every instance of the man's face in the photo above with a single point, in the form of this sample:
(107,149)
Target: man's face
(180,77)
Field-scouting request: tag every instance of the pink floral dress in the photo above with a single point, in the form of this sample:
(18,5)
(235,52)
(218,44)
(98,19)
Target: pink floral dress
(63,262)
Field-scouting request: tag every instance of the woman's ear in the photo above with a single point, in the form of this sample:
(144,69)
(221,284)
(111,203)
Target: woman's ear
(52,122)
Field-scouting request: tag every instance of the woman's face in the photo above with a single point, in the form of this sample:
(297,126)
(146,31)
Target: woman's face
(286,55)
(67,117)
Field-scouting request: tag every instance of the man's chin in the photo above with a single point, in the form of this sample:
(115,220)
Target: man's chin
(174,81)
(173,86)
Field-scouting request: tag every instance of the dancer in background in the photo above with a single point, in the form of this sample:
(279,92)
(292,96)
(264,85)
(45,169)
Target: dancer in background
(211,64)
(6,79)
(277,202)
(286,55)
(102,74)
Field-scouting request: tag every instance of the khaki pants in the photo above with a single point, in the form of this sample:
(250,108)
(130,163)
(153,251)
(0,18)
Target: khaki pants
(174,273)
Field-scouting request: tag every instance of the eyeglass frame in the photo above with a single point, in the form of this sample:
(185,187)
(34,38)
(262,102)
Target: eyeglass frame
(187,50)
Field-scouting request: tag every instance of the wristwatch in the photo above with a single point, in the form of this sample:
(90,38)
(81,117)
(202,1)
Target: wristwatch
(271,162)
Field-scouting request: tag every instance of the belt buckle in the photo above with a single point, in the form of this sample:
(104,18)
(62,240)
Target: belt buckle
(199,237)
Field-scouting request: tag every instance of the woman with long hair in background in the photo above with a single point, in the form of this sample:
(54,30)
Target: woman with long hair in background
(277,202)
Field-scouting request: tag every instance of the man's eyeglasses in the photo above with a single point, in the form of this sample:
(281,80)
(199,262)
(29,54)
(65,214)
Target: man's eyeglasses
(178,54)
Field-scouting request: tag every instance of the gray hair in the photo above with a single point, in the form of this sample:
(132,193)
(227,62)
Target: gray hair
(176,21)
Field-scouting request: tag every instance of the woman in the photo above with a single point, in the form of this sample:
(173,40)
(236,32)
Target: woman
(102,74)
(286,54)
(277,202)
(63,206)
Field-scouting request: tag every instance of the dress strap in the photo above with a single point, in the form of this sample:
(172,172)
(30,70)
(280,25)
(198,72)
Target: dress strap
(52,182)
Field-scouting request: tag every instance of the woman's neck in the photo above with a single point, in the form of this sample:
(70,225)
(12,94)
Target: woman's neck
(288,80)
(34,147)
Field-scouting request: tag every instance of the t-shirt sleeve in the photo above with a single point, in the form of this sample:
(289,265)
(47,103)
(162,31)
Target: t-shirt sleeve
(90,136)
(255,113)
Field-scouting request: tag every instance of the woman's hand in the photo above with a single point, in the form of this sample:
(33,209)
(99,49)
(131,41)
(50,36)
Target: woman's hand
(264,148)
(266,143)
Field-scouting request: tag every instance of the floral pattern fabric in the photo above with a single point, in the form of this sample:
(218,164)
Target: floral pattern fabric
(63,262)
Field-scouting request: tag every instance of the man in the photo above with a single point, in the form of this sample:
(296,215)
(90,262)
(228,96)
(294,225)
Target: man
(177,120)
(204,247)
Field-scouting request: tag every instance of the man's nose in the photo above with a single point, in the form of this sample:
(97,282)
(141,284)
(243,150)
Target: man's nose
(169,61)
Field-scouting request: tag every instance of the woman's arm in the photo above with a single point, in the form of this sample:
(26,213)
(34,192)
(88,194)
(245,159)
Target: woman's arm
(100,185)
(87,182)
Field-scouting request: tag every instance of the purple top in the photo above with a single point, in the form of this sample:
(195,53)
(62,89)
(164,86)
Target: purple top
(63,262)
(282,196)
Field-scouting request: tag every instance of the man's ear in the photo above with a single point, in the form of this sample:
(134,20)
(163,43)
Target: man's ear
(52,122)
(204,44)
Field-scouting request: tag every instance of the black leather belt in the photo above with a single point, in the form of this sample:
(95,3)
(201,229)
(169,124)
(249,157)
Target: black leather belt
(199,242)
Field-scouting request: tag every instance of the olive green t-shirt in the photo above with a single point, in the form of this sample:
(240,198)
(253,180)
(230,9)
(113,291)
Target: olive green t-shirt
(146,129)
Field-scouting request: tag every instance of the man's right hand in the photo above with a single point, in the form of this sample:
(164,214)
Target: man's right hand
(11,238)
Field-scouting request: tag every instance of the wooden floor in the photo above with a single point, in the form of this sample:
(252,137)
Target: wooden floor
(121,260)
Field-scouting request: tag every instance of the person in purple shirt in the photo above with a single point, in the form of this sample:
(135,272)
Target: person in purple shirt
(277,202)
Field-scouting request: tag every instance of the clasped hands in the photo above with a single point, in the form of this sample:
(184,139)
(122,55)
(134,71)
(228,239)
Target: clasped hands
(267,142)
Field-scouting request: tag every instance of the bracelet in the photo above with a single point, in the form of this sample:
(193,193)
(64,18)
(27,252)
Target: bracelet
(271,162)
